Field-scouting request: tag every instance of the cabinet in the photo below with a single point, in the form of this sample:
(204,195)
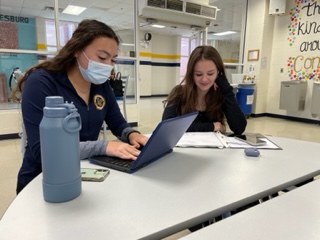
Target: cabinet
(293,95)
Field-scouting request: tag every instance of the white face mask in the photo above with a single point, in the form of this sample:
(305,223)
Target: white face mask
(97,73)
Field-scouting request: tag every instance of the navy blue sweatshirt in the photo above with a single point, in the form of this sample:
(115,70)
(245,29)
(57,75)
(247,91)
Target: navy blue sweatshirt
(235,118)
(102,106)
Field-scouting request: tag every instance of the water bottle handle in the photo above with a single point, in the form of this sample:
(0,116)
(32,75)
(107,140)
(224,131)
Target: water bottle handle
(68,118)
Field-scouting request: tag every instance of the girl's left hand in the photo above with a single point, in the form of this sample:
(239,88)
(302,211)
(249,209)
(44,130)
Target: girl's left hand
(219,127)
(137,140)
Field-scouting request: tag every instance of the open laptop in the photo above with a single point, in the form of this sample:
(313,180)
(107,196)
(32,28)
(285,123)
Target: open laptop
(163,139)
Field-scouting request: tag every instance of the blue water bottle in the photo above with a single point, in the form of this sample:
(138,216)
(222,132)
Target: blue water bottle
(60,154)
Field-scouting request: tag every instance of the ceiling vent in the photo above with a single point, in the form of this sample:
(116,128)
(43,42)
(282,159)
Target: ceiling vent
(178,11)
(48,8)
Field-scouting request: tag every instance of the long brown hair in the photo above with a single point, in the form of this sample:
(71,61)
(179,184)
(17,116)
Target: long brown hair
(185,94)
(87,31)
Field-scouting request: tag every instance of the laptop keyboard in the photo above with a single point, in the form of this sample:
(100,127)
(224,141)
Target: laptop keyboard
(112,162)
(119,162)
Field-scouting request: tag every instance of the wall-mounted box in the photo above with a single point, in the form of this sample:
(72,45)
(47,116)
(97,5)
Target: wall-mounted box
(277,7)
(293,95)
(315,100)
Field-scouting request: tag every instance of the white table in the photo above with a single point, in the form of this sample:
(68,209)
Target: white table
(294,216)
(182,189)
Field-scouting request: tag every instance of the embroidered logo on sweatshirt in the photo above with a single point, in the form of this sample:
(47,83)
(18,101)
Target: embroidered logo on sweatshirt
(99,101)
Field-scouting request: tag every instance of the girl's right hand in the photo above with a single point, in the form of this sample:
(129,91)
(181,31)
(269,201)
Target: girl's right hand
(122,150)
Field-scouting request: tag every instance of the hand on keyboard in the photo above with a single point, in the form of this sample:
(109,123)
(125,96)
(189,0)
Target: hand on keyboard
(122,150)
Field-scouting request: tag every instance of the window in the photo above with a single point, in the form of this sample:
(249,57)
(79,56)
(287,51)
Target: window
(65,29)
(187,46)
(184,55)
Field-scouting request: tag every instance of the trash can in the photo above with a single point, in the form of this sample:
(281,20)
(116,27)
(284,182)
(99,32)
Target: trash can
(245,97)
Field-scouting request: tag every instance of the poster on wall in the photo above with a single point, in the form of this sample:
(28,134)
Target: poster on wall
(9,35)
(304,39)
(16,33)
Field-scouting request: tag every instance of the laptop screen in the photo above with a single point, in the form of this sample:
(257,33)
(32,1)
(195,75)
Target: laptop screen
(164,138)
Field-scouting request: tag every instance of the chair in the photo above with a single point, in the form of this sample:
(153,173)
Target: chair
(23,136)
(125,82)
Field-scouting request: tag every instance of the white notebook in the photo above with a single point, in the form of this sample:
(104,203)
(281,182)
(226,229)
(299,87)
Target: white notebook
(218,140)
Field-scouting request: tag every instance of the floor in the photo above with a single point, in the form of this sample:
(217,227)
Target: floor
(150,115)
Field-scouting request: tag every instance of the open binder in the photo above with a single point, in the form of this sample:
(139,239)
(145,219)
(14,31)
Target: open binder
(218,140)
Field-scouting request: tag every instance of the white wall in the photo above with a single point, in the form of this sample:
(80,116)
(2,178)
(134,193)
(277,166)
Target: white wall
(259,36)
(284,50)
(159,80)
(271,34)
(228,49)
(41,33)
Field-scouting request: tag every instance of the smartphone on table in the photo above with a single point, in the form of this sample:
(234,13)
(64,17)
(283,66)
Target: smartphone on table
(253,140)
(94,174)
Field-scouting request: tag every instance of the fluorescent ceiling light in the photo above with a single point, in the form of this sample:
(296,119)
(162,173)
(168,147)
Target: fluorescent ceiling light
(73,10)
(127,44)
(224,33)
(157,26)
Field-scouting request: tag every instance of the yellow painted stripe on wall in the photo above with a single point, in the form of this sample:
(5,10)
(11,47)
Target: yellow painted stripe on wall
(41,46)
(228,60)
(167,56)
(154,55)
